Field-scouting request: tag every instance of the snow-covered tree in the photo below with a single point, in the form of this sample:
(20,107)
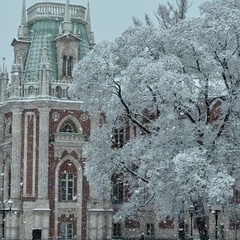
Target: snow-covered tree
(176,89)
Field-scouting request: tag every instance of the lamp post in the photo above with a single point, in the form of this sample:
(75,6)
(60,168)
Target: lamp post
(191,210)
(216,214)
(4,212)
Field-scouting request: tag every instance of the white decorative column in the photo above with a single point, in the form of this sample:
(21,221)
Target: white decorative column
(43,153)
(16,153)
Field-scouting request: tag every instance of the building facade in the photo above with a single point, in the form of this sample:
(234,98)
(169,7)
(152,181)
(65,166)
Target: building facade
(42,134)
(42,129)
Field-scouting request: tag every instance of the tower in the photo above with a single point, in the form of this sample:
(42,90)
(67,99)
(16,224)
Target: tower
(43,130)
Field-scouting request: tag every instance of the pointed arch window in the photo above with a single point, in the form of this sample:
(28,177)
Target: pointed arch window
(64,65)
(67,66)
(68,127)
(68,182)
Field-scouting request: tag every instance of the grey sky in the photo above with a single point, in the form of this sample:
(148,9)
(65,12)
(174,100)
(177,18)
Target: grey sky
(109,18)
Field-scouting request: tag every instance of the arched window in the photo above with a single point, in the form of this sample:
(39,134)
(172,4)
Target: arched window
(66,186)
(67,182)
(67,65)
(64,65)
(117,189)
(68,126)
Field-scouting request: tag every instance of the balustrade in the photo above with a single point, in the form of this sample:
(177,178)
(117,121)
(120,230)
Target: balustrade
(54,9)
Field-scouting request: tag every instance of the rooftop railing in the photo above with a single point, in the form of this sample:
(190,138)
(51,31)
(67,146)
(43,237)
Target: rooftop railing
(54,9)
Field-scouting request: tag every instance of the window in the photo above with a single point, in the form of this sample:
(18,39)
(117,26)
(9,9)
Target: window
(58,92)
(36,234)
(117,138)
(31,91)
(67,128)
(117,189)
(150,229)
(8,126)
(67,66)
(117,231)
(64,65)
(66,186)
(66,231)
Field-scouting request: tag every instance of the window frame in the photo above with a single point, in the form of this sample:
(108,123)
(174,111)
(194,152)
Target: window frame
(67,66)
(118,138)
(65,189)
(64,230)
(117,230)
(150,230)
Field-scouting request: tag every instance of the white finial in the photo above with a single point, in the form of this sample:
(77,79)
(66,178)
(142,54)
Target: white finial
(3,65)
(24,17)
(67,12)
(67,26)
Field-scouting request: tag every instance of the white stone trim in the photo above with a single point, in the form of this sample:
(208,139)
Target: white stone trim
(16,153)
(78,204)
(43,153)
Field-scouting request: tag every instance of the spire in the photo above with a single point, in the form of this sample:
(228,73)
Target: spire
(88,18)
(22,30)
(3,81)
(89,28)
(67,25)
(24,17)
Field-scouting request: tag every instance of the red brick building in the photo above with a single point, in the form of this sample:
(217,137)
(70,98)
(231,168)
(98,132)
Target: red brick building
(42,129)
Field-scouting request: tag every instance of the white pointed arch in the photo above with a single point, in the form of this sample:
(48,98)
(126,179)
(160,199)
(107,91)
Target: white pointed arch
(79,195)
(69,51)
(73,119)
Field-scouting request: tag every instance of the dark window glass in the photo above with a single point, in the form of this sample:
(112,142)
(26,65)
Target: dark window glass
(150,229)
(69,66)
(117,230)
(64,65)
